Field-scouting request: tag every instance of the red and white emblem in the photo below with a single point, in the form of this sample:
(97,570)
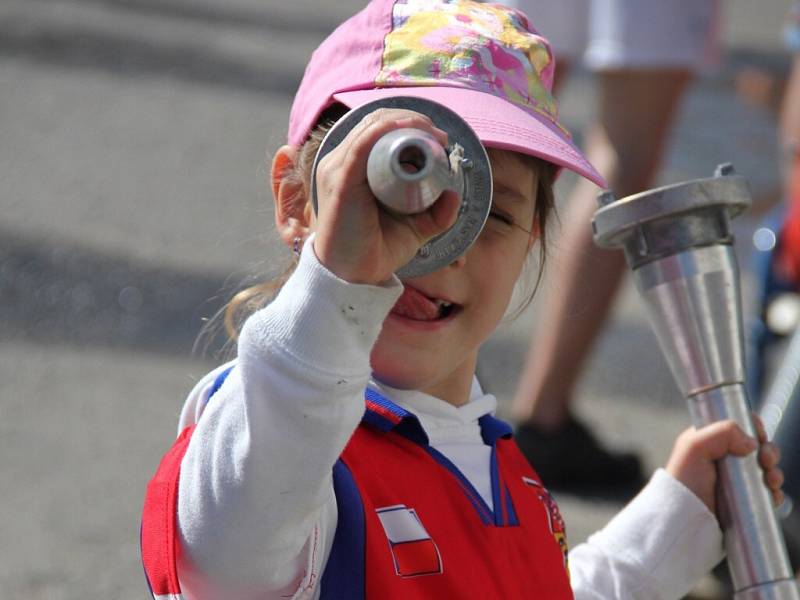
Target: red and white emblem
(414,552)
(554,519)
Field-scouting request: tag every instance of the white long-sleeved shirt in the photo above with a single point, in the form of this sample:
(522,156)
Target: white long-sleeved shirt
(256,508)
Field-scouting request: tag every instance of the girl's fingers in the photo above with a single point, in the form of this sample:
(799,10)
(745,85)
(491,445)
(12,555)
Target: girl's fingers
(439,134)
(769,456)
(355,149)
(440,216)
(345,167)
(722,438)
(356,238)
(760,430)
(359,142)
(717,440)
(774,479)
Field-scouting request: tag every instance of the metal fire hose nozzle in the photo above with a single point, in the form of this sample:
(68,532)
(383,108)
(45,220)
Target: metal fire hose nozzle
(679,247)
(408,169)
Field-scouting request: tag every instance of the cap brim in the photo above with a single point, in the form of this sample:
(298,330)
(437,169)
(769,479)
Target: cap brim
(497,122)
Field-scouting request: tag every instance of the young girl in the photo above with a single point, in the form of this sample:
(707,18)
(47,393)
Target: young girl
(349,451)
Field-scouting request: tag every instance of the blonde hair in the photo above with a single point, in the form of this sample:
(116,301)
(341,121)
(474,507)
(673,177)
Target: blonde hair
(255,297)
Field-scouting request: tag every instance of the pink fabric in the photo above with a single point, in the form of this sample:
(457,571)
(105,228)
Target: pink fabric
(483,61)
(497,123)
(348,59)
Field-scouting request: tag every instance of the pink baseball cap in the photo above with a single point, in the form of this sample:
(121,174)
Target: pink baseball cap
(483,61)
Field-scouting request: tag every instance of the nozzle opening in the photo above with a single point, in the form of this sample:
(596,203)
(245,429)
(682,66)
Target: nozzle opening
(411,163)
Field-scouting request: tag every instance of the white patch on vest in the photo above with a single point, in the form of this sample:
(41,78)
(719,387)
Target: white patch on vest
(401,524)
(413,551)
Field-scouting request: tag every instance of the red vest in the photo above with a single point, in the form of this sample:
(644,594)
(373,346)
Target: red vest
(410,525)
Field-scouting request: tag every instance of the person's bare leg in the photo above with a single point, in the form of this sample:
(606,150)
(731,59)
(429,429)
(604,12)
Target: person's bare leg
(636,109)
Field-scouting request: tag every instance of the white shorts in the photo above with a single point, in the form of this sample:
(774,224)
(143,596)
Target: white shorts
(620,34)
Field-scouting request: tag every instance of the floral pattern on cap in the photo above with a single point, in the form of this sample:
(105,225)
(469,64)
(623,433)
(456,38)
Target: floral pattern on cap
(485,47)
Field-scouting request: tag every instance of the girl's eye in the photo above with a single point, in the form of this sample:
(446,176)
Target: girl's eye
(503,218)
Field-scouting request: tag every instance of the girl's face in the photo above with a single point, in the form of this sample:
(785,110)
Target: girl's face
(430,340)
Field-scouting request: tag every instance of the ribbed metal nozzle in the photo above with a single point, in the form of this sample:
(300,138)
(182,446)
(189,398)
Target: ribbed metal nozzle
(678,244)
(408,169)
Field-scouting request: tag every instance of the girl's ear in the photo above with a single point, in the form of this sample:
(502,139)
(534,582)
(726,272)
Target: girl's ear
(293,211)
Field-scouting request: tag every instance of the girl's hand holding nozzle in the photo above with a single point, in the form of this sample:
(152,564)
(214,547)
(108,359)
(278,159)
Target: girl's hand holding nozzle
(696,450)
(356,239)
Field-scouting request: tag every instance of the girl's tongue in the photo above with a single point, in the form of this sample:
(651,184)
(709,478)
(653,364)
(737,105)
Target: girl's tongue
(415,305)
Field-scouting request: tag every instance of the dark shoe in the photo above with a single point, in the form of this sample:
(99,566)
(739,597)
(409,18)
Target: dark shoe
(571,459)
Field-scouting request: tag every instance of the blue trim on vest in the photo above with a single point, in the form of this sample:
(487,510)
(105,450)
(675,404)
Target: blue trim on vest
(410,429)
(385,403)
(219,381)
(141,560)
(504,513)
(345,571)
(493,428)
(485,514)
(377,420)
(513,520)
(497,497)
(407,425)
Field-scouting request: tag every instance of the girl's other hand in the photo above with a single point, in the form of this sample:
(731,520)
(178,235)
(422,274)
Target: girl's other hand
(696,450)
(355,238)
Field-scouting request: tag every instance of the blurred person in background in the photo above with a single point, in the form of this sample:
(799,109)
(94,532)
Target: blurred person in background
(644,54)
(776,266)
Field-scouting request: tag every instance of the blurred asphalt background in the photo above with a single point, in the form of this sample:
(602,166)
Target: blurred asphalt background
(133,141)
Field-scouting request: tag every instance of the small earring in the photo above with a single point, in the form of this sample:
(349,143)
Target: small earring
(296,246)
